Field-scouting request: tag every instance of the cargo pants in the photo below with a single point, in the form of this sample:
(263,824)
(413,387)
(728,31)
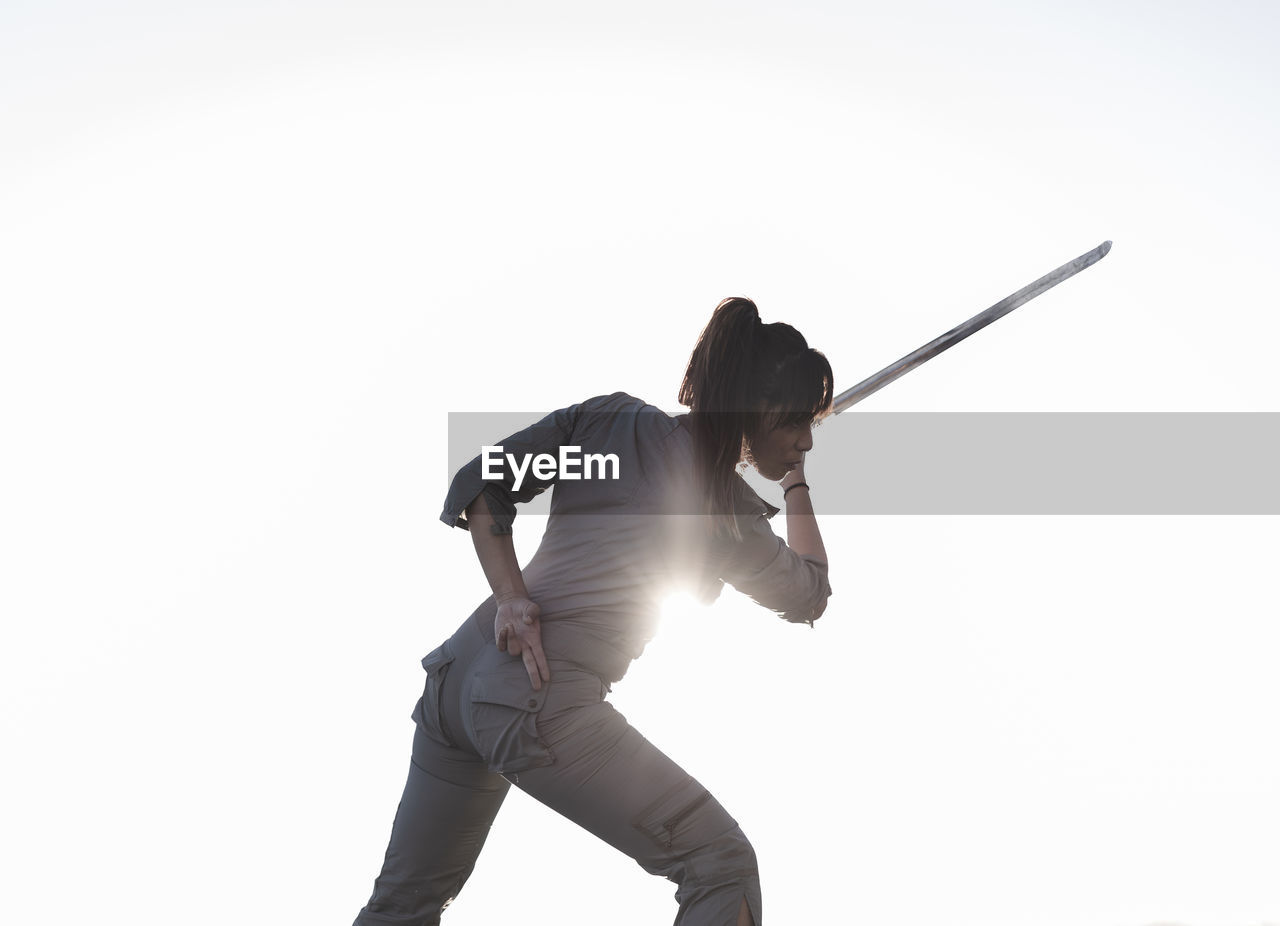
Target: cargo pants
(481,728)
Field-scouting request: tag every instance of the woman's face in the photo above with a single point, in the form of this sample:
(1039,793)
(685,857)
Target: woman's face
(778,451)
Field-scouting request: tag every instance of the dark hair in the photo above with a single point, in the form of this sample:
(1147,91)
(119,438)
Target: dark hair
(745,376)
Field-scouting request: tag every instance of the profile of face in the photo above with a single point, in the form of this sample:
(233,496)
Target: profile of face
(776,451)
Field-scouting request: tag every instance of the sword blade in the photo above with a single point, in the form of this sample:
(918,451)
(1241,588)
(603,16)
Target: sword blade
(961,331)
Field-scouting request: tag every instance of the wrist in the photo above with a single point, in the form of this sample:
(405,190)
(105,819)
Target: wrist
(796,475)
(798,484)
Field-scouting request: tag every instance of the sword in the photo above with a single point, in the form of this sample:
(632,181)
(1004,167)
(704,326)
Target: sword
(961,331)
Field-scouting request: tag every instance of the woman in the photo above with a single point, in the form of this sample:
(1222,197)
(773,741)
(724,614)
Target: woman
(517,694)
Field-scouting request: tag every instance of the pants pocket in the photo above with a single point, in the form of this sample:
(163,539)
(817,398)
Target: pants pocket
(673,821)
(427,713)
(503,718)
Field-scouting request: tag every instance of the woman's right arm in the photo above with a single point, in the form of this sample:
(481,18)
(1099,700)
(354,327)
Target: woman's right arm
(486,508)
(516,627)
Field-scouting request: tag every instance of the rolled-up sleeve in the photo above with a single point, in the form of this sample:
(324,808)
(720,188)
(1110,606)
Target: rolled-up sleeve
(791,584)
(544,436)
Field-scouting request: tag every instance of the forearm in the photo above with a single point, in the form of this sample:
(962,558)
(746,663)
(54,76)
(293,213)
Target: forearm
(496,552)
(803,535)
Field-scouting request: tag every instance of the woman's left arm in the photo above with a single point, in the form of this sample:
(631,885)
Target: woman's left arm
(803,535)
(788,577)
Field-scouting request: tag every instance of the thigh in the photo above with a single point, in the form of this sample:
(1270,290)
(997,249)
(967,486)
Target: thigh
(571,750)
(612,781)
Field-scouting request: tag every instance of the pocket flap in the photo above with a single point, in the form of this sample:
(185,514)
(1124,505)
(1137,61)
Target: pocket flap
(427,712)
(502,720)
(510,687)
(438,657)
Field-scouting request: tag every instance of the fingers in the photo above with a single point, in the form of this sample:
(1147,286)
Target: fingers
(531,666)
(535,663)
(539,660)
(508,640)
(521,635)
(535,660)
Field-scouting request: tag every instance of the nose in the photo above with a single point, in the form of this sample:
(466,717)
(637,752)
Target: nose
(804,443)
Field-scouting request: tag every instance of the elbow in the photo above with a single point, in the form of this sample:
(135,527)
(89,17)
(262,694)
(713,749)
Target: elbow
(810,611)
(812,599)
(793,586)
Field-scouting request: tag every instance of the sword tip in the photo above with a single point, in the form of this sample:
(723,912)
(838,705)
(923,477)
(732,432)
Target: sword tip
(1104,249)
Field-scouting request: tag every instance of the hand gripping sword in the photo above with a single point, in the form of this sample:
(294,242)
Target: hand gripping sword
(957,334)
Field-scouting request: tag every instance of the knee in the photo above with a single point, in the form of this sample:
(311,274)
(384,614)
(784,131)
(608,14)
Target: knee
(701,848)
(729,859)
(718,880)
(697,840)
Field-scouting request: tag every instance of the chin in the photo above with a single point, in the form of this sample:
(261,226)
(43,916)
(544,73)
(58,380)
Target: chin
(773,474)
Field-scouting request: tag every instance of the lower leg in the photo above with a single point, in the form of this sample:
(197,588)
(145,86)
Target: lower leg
(441,825)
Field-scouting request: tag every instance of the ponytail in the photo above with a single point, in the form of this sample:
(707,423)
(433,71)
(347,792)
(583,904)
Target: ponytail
(744,375)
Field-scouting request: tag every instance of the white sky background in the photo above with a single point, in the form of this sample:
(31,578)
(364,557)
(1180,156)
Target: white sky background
(252,256)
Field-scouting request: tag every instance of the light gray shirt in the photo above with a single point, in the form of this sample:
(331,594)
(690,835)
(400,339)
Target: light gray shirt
(614,548)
